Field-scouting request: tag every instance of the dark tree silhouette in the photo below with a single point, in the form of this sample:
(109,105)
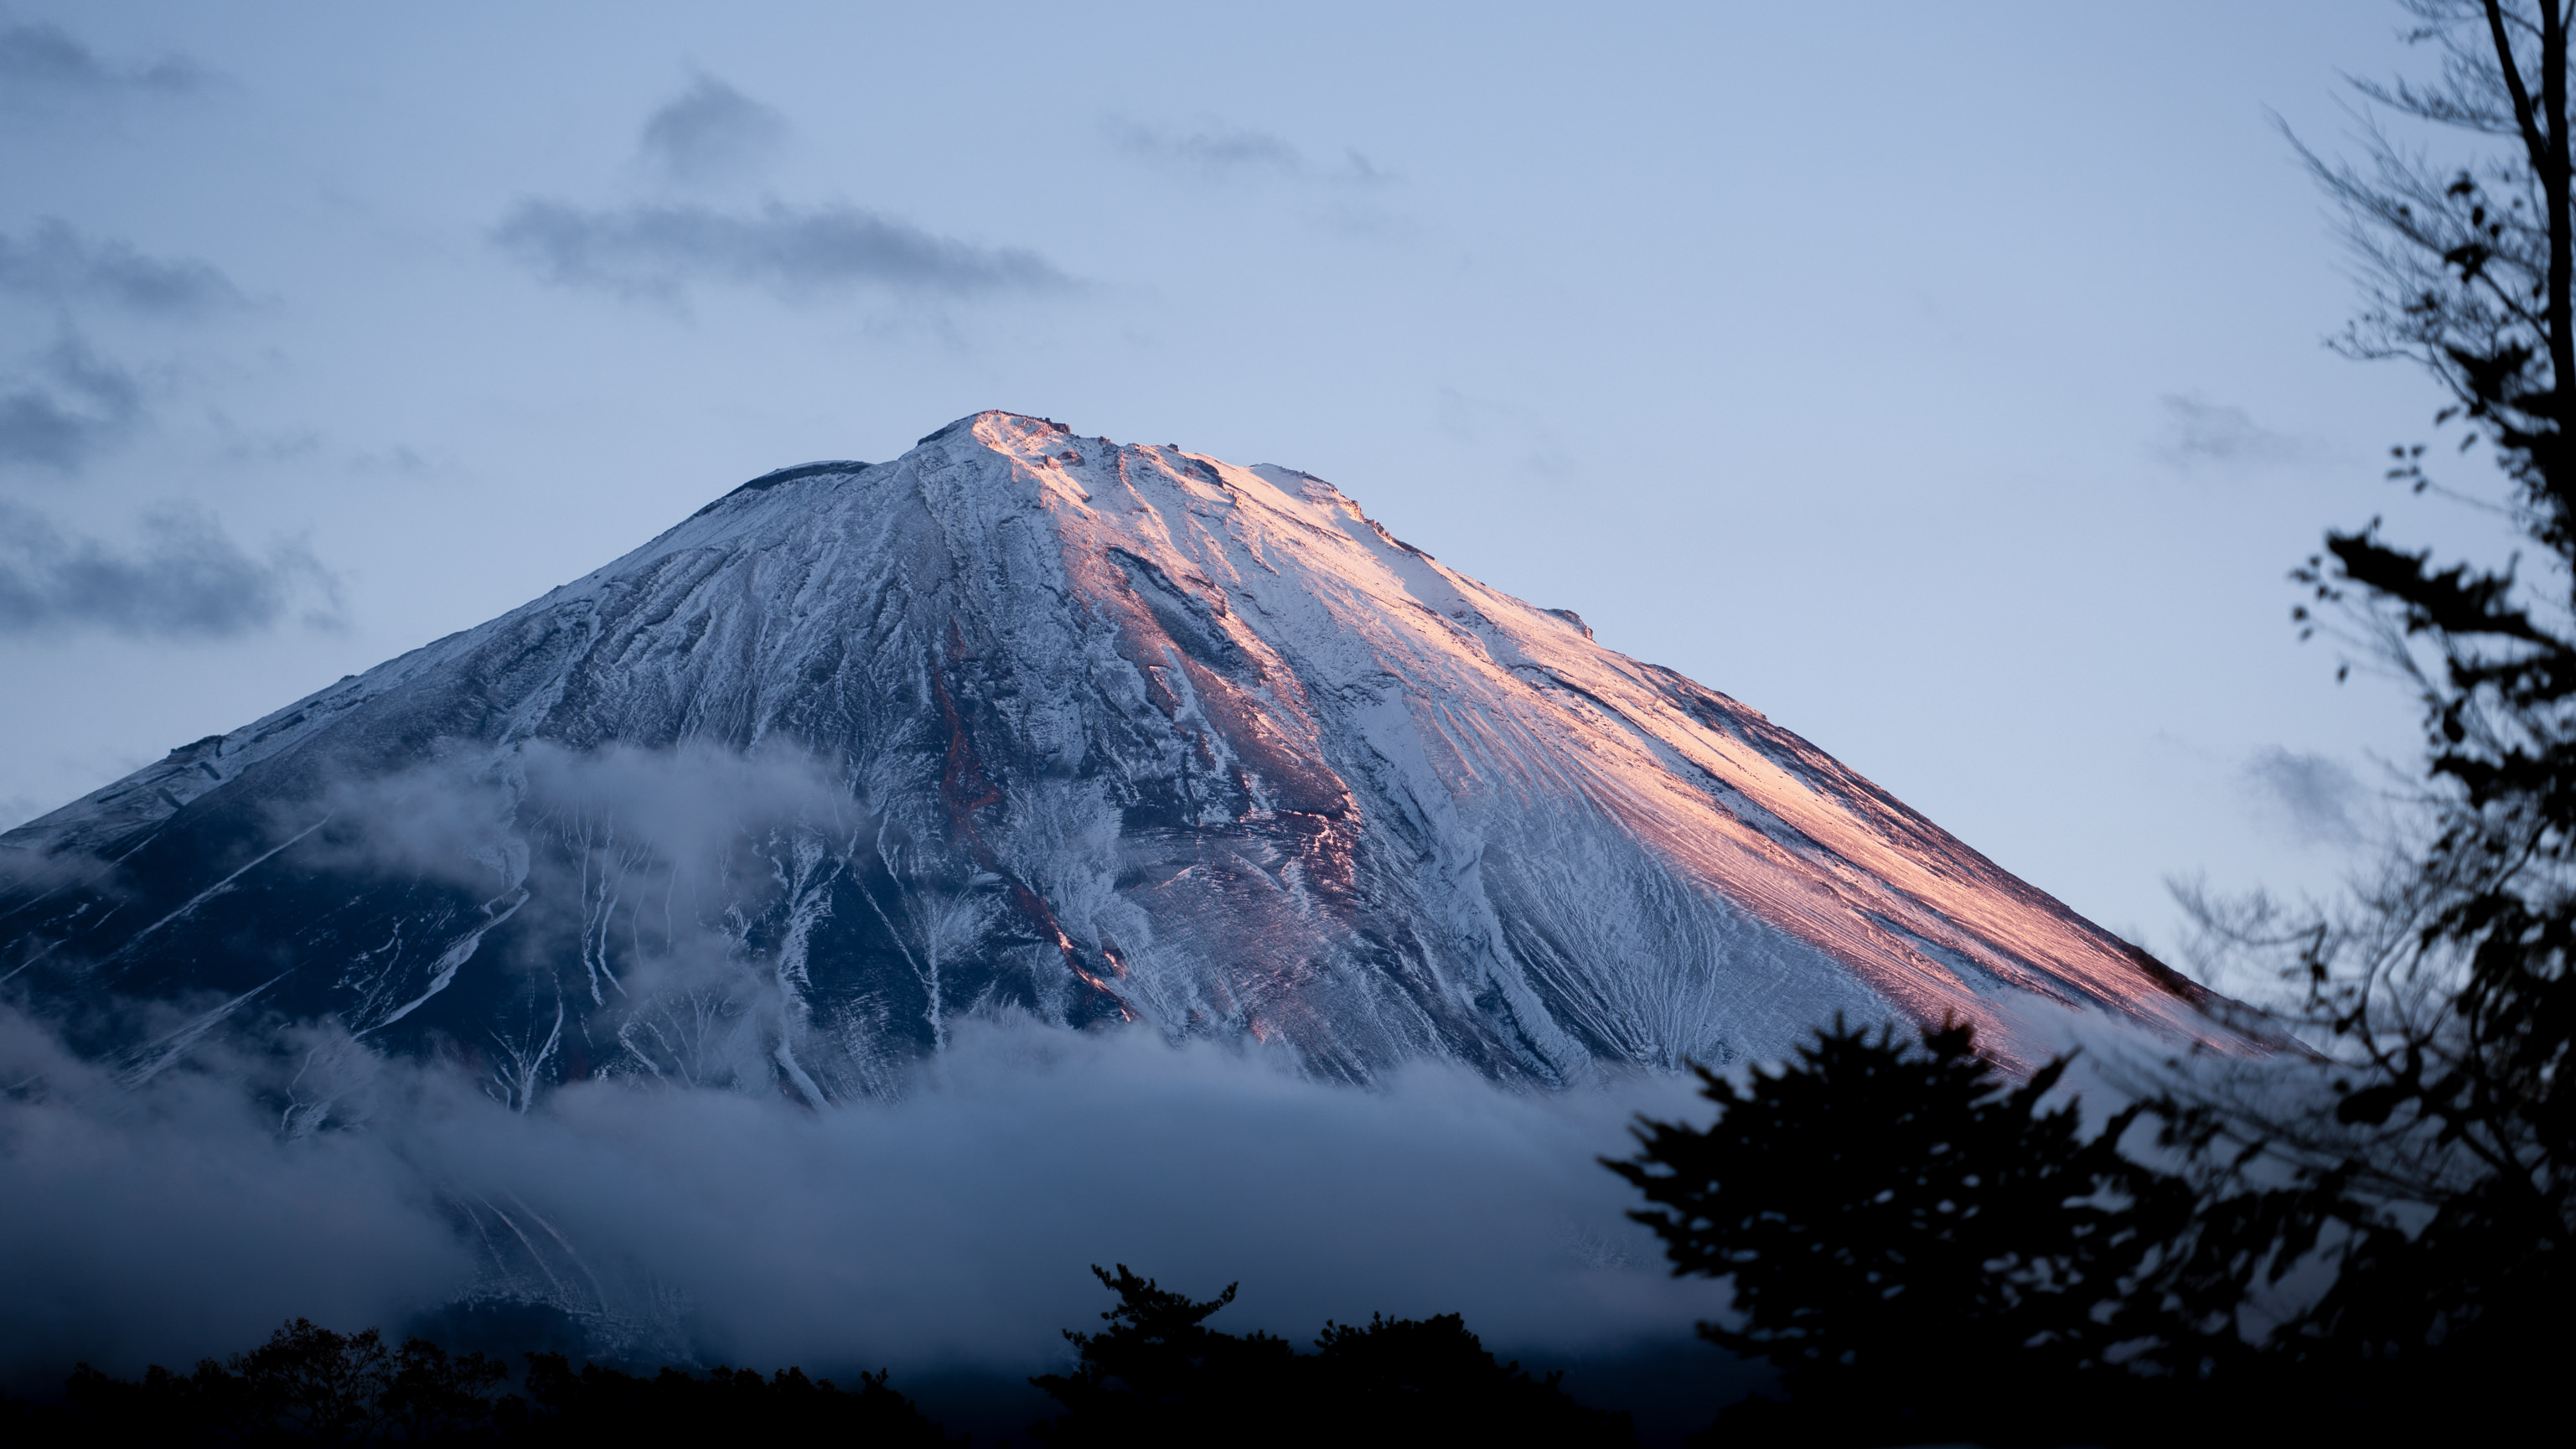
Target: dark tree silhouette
(1924,1246)
(1899,1224)
(1424,1380)
(1158,1375)
(311,1386)
(602,1406)
(306,1385)
(2446,995)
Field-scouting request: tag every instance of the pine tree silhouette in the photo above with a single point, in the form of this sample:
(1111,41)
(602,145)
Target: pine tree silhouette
(1919,1244)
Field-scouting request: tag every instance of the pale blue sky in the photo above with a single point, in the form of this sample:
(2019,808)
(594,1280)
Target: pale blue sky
(1944,380)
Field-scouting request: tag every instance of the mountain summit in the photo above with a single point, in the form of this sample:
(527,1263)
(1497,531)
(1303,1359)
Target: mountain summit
(1026,722)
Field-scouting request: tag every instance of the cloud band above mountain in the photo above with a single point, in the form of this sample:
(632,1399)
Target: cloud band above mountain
(657,251)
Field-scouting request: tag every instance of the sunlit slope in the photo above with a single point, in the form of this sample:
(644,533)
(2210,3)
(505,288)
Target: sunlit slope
(1031,722)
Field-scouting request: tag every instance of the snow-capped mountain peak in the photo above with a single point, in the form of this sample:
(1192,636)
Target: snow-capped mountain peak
(1026,721)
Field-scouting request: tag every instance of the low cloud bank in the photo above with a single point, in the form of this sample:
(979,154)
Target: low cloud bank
(949,1229)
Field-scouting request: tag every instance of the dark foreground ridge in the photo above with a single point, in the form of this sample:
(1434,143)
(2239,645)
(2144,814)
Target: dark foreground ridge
(1156,1376)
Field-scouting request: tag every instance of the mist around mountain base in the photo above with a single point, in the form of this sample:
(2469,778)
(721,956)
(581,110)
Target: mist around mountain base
(946,1231)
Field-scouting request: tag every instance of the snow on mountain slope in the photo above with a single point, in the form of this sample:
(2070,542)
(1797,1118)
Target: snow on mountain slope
(1025,721)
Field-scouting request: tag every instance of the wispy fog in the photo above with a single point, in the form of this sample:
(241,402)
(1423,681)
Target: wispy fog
(947,1229)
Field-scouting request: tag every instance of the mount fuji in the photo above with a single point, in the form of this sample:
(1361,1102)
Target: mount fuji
(1027,724)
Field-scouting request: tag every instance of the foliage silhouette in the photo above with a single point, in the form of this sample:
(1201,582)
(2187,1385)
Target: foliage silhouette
(306,1385)
(2372,1240)
(1906,1227)
(1156,1376)
(311,1386)
(1928,1249)
(2444,996)
(605,1406)
(1159,1376)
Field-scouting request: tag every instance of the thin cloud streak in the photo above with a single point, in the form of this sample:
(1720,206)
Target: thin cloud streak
(1216,151)
(59,263)
(1210,151)
(2198,432)
(187,580)
(655,252)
